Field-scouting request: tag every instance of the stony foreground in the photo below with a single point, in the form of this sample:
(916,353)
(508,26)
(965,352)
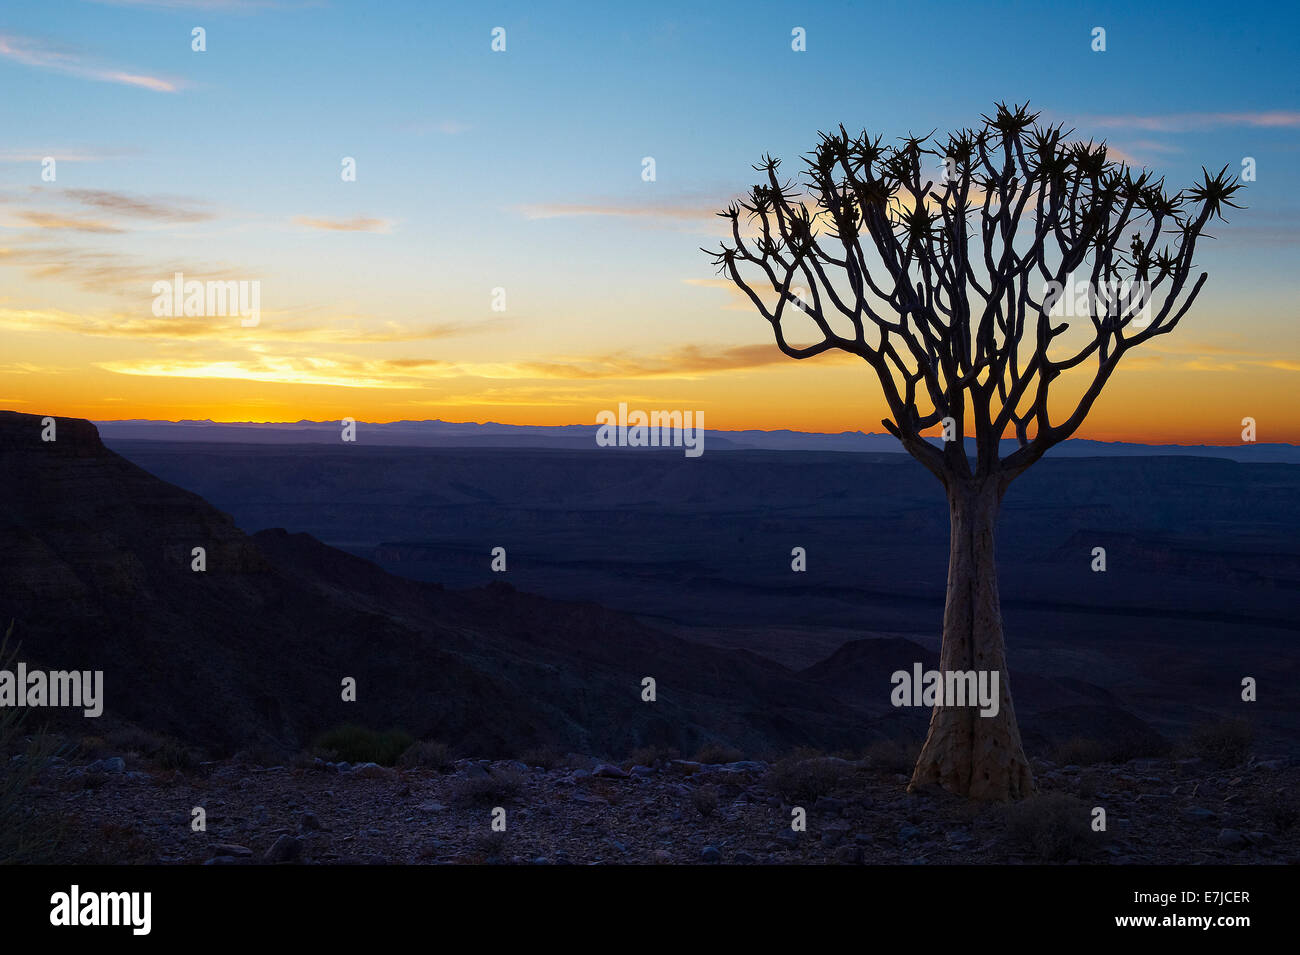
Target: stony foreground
(1157,811)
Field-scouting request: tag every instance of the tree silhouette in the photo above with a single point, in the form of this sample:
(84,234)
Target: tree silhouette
(950,287)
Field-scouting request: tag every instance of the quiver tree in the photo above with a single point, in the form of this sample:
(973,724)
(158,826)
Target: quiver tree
(953,268)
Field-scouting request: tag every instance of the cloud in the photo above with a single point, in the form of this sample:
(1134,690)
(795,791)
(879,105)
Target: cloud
(686,362)
(355,224)
(737,300)
(27,368)
(1193,122)
(1267,237)
(30,52)
(559,210)
(287,371)
(1204,356)
(44,220)
(99,271)
(343,330)
(690,362)
(60,154)
(119,203)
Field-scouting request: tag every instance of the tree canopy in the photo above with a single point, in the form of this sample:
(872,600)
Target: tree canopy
(939,262)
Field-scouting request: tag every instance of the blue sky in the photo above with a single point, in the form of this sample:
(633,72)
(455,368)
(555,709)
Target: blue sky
(522,169)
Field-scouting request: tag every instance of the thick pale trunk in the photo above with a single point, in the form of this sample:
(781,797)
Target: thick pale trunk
(966,753)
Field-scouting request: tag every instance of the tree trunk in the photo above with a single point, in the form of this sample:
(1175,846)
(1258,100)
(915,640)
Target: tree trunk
(966,753)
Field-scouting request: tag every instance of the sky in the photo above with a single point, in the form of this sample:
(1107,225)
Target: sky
(500,256)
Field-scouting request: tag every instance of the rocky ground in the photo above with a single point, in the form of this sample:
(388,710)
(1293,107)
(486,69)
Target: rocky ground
(1158,811)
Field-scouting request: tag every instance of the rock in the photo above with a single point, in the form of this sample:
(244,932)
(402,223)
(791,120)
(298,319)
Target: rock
(308,821)
(1231,839)
(114,764)
(829,806)
(744,858)
(222,860)
(746,766)
(372,771)
(908,832)
(1271,764)
(607,771)
(849,855)
(662,857)
(1199,814)
(229,849)
(642,771)
(685,766)
(1260,838)
(711,855)
(285,849)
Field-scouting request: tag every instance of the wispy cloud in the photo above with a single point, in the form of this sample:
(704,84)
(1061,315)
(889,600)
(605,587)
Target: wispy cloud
(1193,122)
(355,224)
(61,154)
(101,271)
(1208,356)
(119,203)
(687,363)
(45,220)
(559,210)
(34,53)
(274,327)
(288,371)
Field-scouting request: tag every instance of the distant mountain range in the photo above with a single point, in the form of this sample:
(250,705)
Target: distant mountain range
(96,560)
(436,433)
(663,566)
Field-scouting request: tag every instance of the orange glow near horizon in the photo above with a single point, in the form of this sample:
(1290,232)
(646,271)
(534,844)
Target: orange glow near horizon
(1143,406)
